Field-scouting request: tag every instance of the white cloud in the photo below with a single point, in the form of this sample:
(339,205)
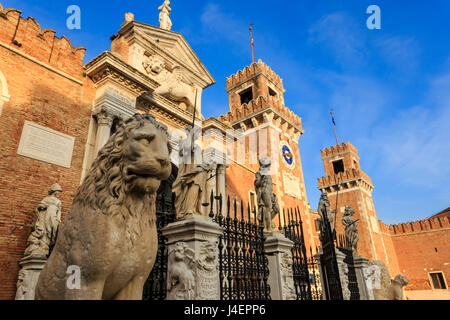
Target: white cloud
(339,32)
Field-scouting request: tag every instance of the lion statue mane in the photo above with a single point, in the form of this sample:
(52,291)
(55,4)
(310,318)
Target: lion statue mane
(107,243)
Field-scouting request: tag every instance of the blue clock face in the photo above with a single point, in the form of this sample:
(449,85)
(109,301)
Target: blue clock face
(287,155)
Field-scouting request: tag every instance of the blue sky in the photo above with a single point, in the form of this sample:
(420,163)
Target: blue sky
(389,88)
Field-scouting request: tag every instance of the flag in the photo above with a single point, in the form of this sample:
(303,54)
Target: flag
(332,117)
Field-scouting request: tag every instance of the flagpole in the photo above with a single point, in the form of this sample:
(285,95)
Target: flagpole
(252,43)
(334,126)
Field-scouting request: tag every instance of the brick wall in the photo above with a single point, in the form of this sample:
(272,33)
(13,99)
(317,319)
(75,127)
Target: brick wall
(422,247)
(46,84)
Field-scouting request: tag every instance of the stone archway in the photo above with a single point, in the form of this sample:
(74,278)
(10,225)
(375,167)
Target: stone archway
(4,94)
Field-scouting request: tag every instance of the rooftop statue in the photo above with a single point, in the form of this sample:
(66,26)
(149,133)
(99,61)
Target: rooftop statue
(164,16)
(173,85)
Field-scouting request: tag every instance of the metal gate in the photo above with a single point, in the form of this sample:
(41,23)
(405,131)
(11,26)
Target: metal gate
(293,230)
(346,248)
(243,265)
(328,262)
(305,269)
(156,286)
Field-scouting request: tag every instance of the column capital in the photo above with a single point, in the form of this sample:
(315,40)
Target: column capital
(104,117)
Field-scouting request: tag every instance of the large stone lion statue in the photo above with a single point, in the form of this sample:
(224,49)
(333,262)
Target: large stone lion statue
(110,233)
(395,291)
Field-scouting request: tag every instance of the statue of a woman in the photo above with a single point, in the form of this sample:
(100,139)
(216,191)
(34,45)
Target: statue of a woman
(350,224)
(45,225)
(164,17)
(190,185)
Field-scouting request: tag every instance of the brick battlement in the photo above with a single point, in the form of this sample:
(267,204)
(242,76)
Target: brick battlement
(27,37)
(251,70)
(351,174)
(258,104)
(435,223)
(333,150)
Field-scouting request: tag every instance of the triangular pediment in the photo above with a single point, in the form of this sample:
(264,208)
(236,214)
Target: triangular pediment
(171,46)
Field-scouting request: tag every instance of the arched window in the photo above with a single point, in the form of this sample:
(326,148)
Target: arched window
(4,95)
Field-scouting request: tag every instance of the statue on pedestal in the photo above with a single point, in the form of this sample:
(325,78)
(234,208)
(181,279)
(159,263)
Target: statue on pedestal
(395,291)
(193,173)
(45,224)
(174,84)
(325,211)
(351,232)
(264,193)
(40,242)
(164,16)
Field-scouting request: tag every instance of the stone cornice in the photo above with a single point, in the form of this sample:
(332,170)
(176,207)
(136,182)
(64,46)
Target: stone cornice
(108,66)
(269,109)
(165,109)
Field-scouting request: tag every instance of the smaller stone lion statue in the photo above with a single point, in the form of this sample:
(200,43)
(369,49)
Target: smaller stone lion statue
(395,291)
(110,232)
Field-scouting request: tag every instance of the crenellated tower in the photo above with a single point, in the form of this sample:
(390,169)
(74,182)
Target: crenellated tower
(348,185)
(266,128)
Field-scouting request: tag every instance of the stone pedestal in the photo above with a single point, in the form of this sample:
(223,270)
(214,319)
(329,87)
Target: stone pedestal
(358,267)
(193,264)
(360,263)
(281,280)
(28,277)
(343,274)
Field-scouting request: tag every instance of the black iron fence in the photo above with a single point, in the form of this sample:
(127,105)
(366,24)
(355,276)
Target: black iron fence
(345,247)
(156,286)
(305,268)
(328,262)
(243,265)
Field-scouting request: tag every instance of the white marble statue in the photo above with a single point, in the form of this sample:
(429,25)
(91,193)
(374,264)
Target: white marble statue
(45,225)
(173,85)
(164,16)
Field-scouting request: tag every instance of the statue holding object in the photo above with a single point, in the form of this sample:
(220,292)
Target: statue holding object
(264,193)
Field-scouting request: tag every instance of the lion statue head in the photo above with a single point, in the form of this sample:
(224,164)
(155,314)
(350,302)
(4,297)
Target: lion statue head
(401,279)
(135,160)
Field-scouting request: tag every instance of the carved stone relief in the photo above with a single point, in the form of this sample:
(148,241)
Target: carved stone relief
(180,275)
(287,277)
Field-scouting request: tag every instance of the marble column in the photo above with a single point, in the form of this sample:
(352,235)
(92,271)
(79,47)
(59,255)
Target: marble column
(104,125)
(281,279)
(28,276)
(193,263)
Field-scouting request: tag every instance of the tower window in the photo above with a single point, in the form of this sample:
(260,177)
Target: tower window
(246,96)
(272,93)
(437,280)
(338,166)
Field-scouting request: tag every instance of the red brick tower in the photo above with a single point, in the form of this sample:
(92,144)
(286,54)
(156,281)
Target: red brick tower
(347,184)
(267,128)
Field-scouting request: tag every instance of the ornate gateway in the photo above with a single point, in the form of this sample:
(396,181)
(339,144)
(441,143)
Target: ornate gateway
(243,265)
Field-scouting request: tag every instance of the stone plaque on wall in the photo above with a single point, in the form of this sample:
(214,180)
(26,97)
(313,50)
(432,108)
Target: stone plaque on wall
(292,185)
(44,144)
